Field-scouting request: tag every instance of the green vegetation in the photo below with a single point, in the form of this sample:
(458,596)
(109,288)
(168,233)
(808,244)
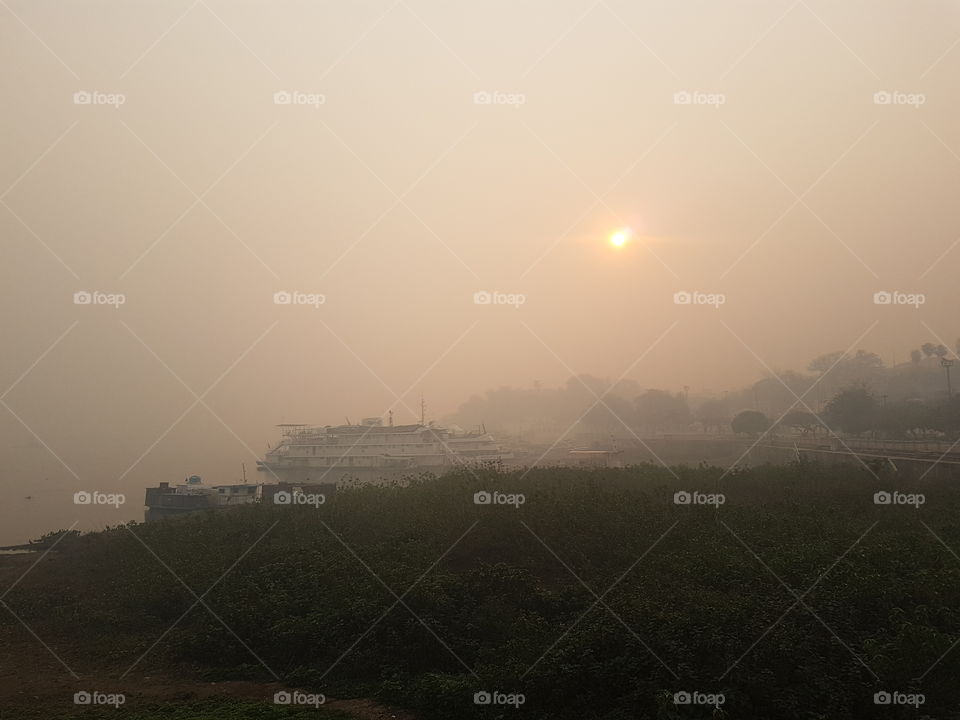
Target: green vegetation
(498,590)
(190,710)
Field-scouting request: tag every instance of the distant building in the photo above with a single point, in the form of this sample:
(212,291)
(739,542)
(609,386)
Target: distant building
(168,500)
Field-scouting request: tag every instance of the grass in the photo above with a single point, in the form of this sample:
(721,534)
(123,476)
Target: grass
(497,597)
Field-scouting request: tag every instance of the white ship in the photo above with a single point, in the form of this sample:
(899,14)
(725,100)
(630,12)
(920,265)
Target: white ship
(372,451)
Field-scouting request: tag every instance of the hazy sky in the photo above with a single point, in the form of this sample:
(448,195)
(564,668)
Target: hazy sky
(432,150)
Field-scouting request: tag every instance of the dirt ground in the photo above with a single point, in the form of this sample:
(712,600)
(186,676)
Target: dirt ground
(31,675)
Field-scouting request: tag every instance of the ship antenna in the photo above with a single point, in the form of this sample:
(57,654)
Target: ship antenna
(391,418)
(243,466)
(423,410)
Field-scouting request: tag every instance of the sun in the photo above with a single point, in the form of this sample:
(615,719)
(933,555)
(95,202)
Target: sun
(620,237)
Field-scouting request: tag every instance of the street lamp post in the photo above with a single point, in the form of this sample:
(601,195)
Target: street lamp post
(947,364)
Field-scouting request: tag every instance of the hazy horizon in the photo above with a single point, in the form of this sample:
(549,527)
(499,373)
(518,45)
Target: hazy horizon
(792,158)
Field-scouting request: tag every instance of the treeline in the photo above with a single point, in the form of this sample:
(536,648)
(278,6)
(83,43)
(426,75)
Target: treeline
(905,399)
(502,598)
